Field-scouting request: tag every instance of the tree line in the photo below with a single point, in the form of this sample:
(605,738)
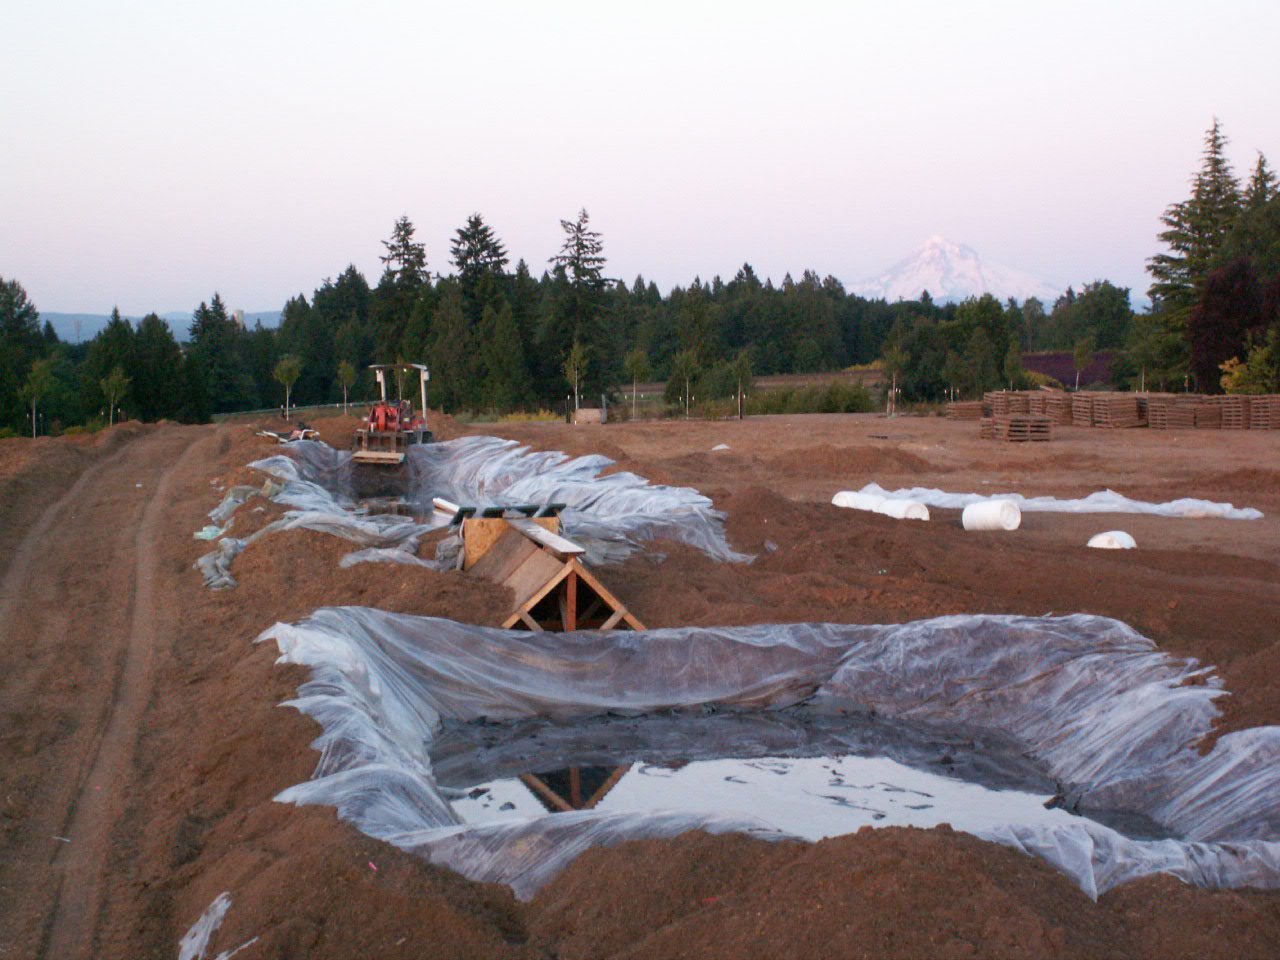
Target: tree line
(1214,321)
(499,338)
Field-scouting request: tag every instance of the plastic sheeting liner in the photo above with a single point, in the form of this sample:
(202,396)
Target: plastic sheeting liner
(1103,501)
(991,515)
(611,516)
(1089,700)
(1112,540)
(898,509)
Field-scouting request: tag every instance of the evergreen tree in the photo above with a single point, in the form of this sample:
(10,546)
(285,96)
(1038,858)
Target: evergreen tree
(114,346)
(157,371)
(574,313)
(1228,315)
(1262,185)
(477,253)
(334,305)
(506,379)
(1195,228)
(404,279)
(217,341)
(452,352)
(21,345)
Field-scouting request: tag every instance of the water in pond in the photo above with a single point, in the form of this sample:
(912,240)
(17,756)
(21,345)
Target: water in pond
(810,775)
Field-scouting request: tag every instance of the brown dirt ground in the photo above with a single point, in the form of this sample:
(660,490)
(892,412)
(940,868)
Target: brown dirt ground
(188,813)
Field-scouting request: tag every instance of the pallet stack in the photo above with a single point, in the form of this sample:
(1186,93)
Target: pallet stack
(1235,411)
(1208,415)
(1057,407)
(1117,411)
(1016,428)
(1264,412)
(1082,409)
(996,401)
(964,410)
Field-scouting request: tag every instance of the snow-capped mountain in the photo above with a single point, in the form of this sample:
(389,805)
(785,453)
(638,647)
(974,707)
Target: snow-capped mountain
(952,271)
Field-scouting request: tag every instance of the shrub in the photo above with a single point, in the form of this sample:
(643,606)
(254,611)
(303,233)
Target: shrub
(827,398)
(537,416)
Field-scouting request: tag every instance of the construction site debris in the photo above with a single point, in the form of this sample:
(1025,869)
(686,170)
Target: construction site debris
(887,506)
(1112,540)
(1102,501)
(991,515)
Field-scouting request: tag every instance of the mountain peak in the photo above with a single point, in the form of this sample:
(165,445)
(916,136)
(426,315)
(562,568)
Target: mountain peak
(952,271)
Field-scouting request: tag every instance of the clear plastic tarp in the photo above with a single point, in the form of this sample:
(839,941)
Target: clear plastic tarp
(1101,501)
(1086,700)
(611,515)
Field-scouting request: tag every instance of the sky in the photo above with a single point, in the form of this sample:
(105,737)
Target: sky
(156,151)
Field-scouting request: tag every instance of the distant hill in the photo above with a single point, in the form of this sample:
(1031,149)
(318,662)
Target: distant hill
(952,272)
(78,327)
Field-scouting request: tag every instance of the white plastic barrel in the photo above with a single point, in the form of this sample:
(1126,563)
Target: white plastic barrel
(992,515)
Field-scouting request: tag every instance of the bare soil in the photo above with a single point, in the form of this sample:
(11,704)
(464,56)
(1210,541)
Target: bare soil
(142,737)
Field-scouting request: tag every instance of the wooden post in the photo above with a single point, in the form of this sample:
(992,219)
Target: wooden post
(571,607)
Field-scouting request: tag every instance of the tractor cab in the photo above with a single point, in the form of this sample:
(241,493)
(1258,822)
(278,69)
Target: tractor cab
(392,425)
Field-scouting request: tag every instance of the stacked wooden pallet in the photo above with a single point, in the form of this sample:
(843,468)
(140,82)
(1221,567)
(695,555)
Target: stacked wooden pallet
(1057,407)
(1082,409)
(997,401)
(964,410)
(1182,413)
(1235,411)
(1117,411)
(1264,412)
(1208,415)
(1016,427)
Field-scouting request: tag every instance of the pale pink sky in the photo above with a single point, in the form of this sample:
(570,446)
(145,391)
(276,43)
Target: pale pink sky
(156,151)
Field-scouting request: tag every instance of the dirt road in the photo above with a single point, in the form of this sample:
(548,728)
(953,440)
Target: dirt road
(78,623)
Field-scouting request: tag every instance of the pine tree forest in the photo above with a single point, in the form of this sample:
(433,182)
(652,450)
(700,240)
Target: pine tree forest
(500,337)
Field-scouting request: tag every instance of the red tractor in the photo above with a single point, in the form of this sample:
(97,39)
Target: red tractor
(392,426)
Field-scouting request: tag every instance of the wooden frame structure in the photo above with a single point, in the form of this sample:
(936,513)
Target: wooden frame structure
(554,590)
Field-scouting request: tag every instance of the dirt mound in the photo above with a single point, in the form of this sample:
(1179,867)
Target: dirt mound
(303,566)
(894,892)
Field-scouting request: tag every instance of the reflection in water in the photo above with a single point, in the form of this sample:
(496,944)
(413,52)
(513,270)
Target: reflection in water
(812,797)
(809,774)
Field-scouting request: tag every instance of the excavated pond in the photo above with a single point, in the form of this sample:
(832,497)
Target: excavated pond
(808,775)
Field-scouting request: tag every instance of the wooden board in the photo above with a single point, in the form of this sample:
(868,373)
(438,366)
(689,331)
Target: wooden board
(540,533)
(479,534)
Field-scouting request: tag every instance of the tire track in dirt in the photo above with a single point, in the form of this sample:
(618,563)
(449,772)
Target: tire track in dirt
(100,769)
(74,920)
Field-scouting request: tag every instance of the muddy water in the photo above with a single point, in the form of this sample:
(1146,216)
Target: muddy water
(812,775)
